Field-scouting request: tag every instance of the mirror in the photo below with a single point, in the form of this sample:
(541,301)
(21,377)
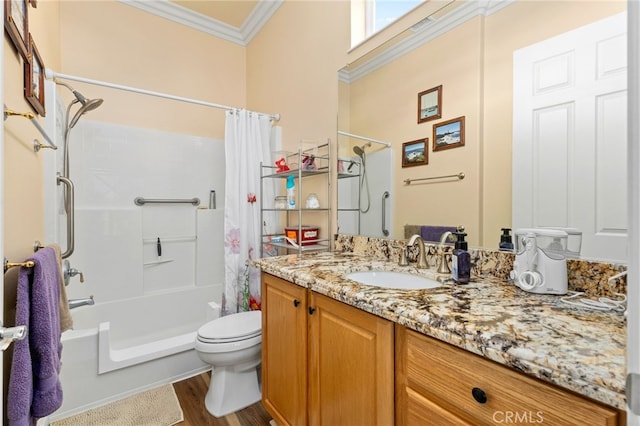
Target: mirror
(468,49)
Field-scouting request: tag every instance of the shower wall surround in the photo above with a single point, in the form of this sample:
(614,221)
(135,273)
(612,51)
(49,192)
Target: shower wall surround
(155,247)
(590,277)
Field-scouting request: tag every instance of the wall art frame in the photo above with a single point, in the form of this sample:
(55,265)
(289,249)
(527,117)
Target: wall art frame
(415,153)
(16,24)
(34,79)
(448,134)
(430,104)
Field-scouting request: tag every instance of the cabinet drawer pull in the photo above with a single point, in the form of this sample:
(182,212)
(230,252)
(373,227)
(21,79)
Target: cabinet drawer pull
(296,302)
(479,395)
(311,310)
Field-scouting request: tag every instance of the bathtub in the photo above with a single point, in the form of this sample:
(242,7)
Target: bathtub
(114,352)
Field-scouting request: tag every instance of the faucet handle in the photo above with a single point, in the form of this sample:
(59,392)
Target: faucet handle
(403,261)
(443,268)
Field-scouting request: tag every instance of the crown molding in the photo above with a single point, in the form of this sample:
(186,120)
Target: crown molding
(424,31)
(258,18)
(181,15)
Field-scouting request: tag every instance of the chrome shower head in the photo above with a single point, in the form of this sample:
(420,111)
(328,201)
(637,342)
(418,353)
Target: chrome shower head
(87,105)
(359,150)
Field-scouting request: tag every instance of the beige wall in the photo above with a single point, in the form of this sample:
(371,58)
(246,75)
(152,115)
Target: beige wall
(385,103)
(292,69)
(23,206)
(113,42)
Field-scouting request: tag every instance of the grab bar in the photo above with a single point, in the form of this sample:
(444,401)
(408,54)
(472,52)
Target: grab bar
(70,216)
(140,201)
(385,231)
(460,176)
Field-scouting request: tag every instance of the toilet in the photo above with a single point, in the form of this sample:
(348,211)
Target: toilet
(231,345)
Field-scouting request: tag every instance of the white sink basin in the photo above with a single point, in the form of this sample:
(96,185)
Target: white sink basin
(392,279)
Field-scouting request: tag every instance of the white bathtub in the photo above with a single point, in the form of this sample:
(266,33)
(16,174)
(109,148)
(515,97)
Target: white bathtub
(119,348)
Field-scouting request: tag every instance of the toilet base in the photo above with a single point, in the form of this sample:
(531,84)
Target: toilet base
(230,391)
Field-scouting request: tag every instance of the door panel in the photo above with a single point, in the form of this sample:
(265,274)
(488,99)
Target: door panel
(569,137)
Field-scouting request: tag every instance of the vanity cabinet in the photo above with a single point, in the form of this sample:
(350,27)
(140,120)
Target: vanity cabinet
(324,362)
(450,386)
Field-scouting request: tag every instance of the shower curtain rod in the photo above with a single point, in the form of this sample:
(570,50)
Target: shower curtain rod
(52,75)
(364,138)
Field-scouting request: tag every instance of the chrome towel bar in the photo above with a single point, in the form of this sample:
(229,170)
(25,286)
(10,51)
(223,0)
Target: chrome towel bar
(460,176)
(141,201)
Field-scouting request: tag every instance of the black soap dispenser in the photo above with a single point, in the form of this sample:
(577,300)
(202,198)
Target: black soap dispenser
(461,260)
(505,240)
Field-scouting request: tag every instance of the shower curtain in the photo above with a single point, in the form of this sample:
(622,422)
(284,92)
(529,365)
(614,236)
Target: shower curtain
(246,146)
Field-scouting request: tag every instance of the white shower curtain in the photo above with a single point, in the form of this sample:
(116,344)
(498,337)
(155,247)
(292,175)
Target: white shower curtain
(246,145)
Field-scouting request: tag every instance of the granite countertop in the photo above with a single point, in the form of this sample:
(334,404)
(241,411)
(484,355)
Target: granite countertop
(577,349)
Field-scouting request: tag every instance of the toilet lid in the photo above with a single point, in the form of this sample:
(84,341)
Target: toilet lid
(240,326)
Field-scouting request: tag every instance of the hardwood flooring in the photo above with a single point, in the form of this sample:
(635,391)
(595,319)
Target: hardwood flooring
(191,394)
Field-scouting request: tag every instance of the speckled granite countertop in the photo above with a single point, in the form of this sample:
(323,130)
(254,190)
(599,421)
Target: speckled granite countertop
(538,335)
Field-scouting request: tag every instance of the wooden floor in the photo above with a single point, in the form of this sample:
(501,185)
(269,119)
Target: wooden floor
(191,394)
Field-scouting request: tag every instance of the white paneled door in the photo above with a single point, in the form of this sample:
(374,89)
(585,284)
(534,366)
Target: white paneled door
(570,136)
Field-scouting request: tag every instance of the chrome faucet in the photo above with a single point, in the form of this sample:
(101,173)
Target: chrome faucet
(443,268)
(76,303)
(422,258)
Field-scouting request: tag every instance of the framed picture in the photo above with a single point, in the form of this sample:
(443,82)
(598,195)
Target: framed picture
(448,134)
(16,24)
(430,104)
(34,79)
(415,153)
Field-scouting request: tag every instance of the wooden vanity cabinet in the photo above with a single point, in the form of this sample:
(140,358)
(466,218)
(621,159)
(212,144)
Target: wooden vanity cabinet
(284,351)
(341,354)
(439,384)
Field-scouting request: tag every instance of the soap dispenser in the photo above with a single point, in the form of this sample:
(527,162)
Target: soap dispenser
(460,260)
(506,243)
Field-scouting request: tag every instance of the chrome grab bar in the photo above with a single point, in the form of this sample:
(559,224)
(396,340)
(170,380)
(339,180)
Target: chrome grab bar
(141,201)
(460,176)
(70,215)
(385,231)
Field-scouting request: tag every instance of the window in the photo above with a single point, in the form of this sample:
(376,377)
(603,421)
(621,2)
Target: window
(380,13)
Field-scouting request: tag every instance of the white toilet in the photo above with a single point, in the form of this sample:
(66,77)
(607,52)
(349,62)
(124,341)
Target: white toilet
(231,345)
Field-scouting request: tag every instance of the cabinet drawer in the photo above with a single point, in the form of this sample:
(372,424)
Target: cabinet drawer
(447,376)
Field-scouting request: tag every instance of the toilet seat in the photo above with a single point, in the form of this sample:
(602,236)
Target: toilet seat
(232,328)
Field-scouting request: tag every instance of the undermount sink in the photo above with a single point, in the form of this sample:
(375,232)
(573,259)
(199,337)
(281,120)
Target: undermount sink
(392,279)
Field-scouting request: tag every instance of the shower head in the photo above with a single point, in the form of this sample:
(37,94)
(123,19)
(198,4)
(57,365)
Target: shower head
(87,105)
(359,150)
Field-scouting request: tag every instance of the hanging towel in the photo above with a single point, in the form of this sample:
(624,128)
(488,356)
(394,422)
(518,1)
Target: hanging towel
(434,233)
(66,322)
(34,384)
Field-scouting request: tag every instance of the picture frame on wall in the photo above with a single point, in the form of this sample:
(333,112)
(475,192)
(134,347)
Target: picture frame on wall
(34,79)
(16,24)
(415,153)
(430,104)
(448,134)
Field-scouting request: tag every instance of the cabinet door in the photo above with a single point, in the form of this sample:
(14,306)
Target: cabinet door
(284,351)
(350,365)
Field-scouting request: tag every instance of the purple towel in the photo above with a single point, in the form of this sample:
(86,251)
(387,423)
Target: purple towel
(34,384)
(434,233)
